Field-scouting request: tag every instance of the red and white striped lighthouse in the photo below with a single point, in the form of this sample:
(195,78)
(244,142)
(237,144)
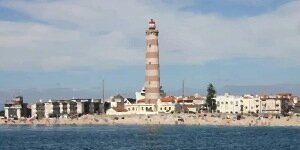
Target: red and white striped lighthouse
(152,79)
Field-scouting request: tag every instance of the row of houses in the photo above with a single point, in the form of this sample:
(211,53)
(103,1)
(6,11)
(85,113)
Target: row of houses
(167,104)
(66,108)
(16,108)
(281,103)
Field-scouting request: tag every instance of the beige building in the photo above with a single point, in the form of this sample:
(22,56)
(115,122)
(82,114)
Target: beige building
(166,104)
(141,108)
(193,104)
(66,108)
(270,104)
(16,108)
(250,104)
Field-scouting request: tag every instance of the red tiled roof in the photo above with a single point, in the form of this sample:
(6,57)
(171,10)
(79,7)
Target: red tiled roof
(141,101)
(199,98)
(284,94)
(168,99)
(186,101)
(119,109)
(246,97)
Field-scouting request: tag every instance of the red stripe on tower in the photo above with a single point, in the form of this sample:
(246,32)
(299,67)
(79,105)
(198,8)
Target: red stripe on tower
(152,77)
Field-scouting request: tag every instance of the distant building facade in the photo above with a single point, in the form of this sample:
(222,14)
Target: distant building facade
(297,108)
(192,104)
(250,104)
(66,108)
(229,103)
(281,103)
(270,104)
(166,104)
(16,108)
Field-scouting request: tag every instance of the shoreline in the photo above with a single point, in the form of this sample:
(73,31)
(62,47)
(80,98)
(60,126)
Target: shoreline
(160,119)
(141,125)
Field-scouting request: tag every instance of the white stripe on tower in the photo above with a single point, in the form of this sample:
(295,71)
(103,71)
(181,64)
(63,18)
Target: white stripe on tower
(152,78)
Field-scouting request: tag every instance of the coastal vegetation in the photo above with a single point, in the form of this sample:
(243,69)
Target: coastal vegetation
(2,113)
(210,98)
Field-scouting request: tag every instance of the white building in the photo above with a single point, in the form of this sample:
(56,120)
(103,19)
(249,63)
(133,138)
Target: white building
(270,104)
(140,95)
(229,103)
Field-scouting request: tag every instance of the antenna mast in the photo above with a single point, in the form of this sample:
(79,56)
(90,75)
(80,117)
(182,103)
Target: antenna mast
(103,111)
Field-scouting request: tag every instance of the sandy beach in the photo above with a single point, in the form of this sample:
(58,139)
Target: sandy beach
(163,119)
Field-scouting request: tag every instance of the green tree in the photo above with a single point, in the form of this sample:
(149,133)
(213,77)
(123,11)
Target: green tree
(1,113)
(210,98)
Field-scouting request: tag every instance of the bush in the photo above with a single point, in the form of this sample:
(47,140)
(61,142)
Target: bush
(1,113)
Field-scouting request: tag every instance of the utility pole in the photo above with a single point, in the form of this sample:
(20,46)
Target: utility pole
(183,95)
(182,88)
(103,111)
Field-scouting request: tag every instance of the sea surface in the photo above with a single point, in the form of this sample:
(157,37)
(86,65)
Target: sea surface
(148,137)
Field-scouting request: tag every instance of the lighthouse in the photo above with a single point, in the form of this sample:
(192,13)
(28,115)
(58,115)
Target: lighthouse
(152,75)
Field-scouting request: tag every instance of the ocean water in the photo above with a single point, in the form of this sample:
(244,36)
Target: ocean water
(148,137)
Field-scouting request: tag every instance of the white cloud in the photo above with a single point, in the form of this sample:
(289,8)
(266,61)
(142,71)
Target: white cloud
(104,34)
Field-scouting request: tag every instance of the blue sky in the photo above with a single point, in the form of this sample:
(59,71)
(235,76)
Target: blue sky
(77,44)
(236,8)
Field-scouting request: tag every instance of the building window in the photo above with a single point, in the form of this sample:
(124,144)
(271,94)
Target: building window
(128,109)
(149,45)
(169,108)
(142,108)
(160,108)
(226,102)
